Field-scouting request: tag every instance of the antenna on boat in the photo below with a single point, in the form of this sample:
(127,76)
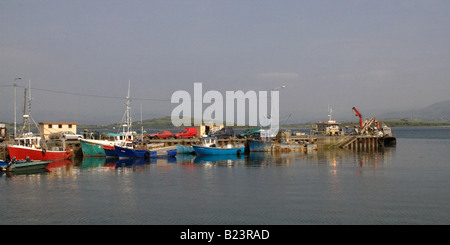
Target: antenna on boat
(142,127)
(126,119)
(27,118)
(330,112)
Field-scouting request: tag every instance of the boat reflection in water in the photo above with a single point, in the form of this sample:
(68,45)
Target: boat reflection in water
(93,162)
(219,159)
(131,162)
(59,164)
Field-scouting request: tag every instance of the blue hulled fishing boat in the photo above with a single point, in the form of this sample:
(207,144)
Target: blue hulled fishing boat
(133,152)
(209,146)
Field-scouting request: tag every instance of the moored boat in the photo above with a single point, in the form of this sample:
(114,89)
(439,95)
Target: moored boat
(110,151)
(205,150)
(93,148)
(28,165)
(29,145)
(22,152)
(209,146)
(185,149)
(146,151)
(105,146)
(35,147)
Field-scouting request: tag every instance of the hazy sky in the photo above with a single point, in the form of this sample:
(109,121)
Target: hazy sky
(376,55)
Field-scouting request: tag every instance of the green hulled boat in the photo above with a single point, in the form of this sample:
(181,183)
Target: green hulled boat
(23,166)
(92,148)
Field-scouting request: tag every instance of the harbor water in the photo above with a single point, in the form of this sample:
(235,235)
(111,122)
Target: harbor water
(406,184)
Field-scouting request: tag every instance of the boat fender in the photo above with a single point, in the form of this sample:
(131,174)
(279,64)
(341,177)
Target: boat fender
(147,154)
(239,152)
(44,151)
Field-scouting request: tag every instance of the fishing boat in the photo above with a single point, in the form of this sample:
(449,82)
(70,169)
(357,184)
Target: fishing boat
(144,150)
(102,148)
(209,146)
(29,145)
(35,147)
(105,146)
(37,153)
(27,165)
(93,148)
(110,151)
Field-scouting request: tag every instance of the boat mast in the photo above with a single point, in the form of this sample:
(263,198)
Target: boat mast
(142,127)
(126,116)
(330,111)
(27,113)
(27,118)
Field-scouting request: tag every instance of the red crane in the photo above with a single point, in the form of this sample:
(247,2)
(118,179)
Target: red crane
(358,114)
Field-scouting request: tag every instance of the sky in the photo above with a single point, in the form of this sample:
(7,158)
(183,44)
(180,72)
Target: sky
(79,56)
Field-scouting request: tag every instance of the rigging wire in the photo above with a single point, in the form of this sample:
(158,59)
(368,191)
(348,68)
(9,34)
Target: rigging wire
(87,95)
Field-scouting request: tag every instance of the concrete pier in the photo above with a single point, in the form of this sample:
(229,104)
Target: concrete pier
(352,142)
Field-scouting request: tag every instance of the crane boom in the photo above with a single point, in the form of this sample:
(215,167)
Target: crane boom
(358,114)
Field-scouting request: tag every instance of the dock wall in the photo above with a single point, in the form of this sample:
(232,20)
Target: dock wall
(353,142)
(356,143)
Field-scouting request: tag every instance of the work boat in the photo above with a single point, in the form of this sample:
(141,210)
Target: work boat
(144,150)
(101,148)
(106,147)
(29,145)
(35,147)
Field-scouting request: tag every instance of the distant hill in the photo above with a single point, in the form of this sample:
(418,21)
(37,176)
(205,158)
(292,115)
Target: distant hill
(439,111)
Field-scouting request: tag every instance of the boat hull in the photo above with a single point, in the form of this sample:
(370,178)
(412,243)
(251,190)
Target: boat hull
(110,151)
(21,153)
(205,150)
(26,166)
(92,148)
(125,152)
(183,149)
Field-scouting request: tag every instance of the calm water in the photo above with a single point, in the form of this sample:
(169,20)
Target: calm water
(407,184)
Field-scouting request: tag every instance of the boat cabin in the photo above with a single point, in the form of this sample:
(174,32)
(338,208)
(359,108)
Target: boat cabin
(209,141)
(29,140)
(119,137)
(326,128)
